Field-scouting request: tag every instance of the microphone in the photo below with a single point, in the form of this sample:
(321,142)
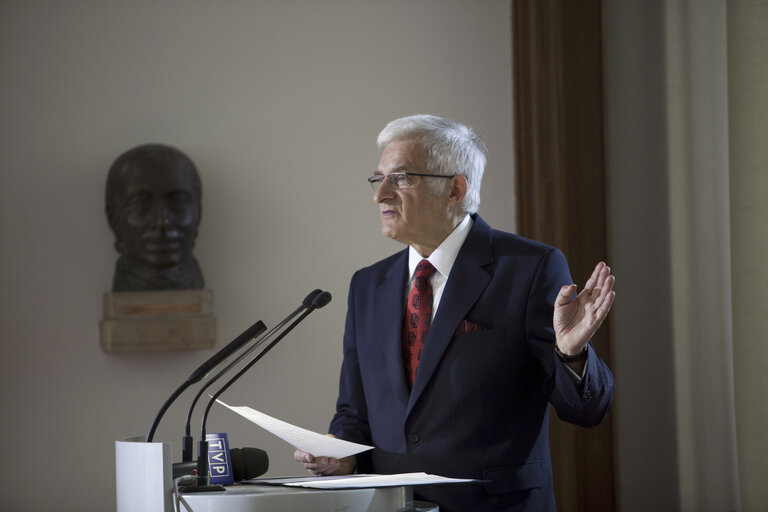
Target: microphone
(206,367)
(247,463)
(318,301)
(321,300)
(187,441)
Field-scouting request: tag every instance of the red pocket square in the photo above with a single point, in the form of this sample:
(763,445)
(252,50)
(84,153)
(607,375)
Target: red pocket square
(466,327)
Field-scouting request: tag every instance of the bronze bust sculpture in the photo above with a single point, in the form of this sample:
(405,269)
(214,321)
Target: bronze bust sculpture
(153,206)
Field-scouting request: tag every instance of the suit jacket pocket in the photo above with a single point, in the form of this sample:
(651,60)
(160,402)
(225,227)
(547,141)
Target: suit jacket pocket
(466,327)
(480,335)
(512,478)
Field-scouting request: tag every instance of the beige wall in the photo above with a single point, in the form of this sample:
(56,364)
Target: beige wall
(278,103)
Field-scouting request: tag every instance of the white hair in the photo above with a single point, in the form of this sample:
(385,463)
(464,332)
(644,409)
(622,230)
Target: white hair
(451,147)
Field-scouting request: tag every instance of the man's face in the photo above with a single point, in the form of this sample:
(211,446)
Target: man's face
(157,214)
(413,216)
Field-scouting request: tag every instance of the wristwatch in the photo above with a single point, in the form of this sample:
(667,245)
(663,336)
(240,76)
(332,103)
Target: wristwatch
(571,359)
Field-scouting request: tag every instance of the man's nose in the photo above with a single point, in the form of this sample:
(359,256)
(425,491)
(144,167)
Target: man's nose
(385,191)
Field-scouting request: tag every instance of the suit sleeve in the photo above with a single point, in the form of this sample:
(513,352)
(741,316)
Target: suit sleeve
(586,403)
(351,419)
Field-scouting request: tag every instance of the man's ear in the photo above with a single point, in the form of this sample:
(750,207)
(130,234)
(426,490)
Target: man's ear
(458,190)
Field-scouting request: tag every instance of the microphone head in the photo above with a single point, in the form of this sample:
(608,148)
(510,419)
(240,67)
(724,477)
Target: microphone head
(308,300)
(321,300)
(248,463)
(227,351)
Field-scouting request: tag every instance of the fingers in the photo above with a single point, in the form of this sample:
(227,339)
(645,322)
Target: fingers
(604,306)
(316,465)
(604,279)
(593,289)
(605,293)
(322,466)
(603,296)
(599,283)
(606,285)
(302,456)
(564,297)
(594,279)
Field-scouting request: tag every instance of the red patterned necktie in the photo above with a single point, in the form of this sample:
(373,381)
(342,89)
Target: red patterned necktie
(418,318)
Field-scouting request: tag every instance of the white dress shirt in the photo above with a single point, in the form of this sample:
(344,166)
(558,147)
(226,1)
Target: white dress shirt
(442,259)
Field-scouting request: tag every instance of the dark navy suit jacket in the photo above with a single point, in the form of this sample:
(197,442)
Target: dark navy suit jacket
(479,403)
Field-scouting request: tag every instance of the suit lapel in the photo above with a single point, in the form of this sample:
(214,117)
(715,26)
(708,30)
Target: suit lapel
(389,311)
(465,284)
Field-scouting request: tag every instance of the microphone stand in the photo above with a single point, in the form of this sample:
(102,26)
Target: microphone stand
(203,480)
(206,367)
(187,442)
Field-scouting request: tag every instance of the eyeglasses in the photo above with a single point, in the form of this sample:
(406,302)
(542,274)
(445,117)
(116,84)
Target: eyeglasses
(401,179)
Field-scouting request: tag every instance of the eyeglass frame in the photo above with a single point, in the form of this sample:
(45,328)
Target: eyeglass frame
(378,179)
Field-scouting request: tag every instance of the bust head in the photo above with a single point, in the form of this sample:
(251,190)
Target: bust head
(153,205)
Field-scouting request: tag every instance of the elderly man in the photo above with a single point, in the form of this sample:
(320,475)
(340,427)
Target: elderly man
(455,347)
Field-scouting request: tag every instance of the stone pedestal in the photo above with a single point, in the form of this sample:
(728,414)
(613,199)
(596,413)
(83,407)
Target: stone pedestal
(153,321)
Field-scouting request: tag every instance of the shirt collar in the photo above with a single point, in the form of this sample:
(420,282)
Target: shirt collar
(445,255)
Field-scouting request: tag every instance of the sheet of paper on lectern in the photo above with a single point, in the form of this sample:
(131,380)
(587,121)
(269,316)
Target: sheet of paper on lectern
(363,481)
(310,442)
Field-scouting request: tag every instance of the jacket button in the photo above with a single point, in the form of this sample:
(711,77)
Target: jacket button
(413,438)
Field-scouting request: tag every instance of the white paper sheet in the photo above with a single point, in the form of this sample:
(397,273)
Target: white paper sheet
(310,442)
(358,481)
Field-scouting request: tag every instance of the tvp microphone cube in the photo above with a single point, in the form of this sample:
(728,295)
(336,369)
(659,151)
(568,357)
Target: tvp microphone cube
(219,462)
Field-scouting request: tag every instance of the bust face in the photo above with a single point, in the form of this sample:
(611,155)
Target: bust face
(155,211)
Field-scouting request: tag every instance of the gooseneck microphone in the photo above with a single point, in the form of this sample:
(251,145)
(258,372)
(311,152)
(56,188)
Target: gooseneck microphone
(206,367)
(318,302)
(187,441)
